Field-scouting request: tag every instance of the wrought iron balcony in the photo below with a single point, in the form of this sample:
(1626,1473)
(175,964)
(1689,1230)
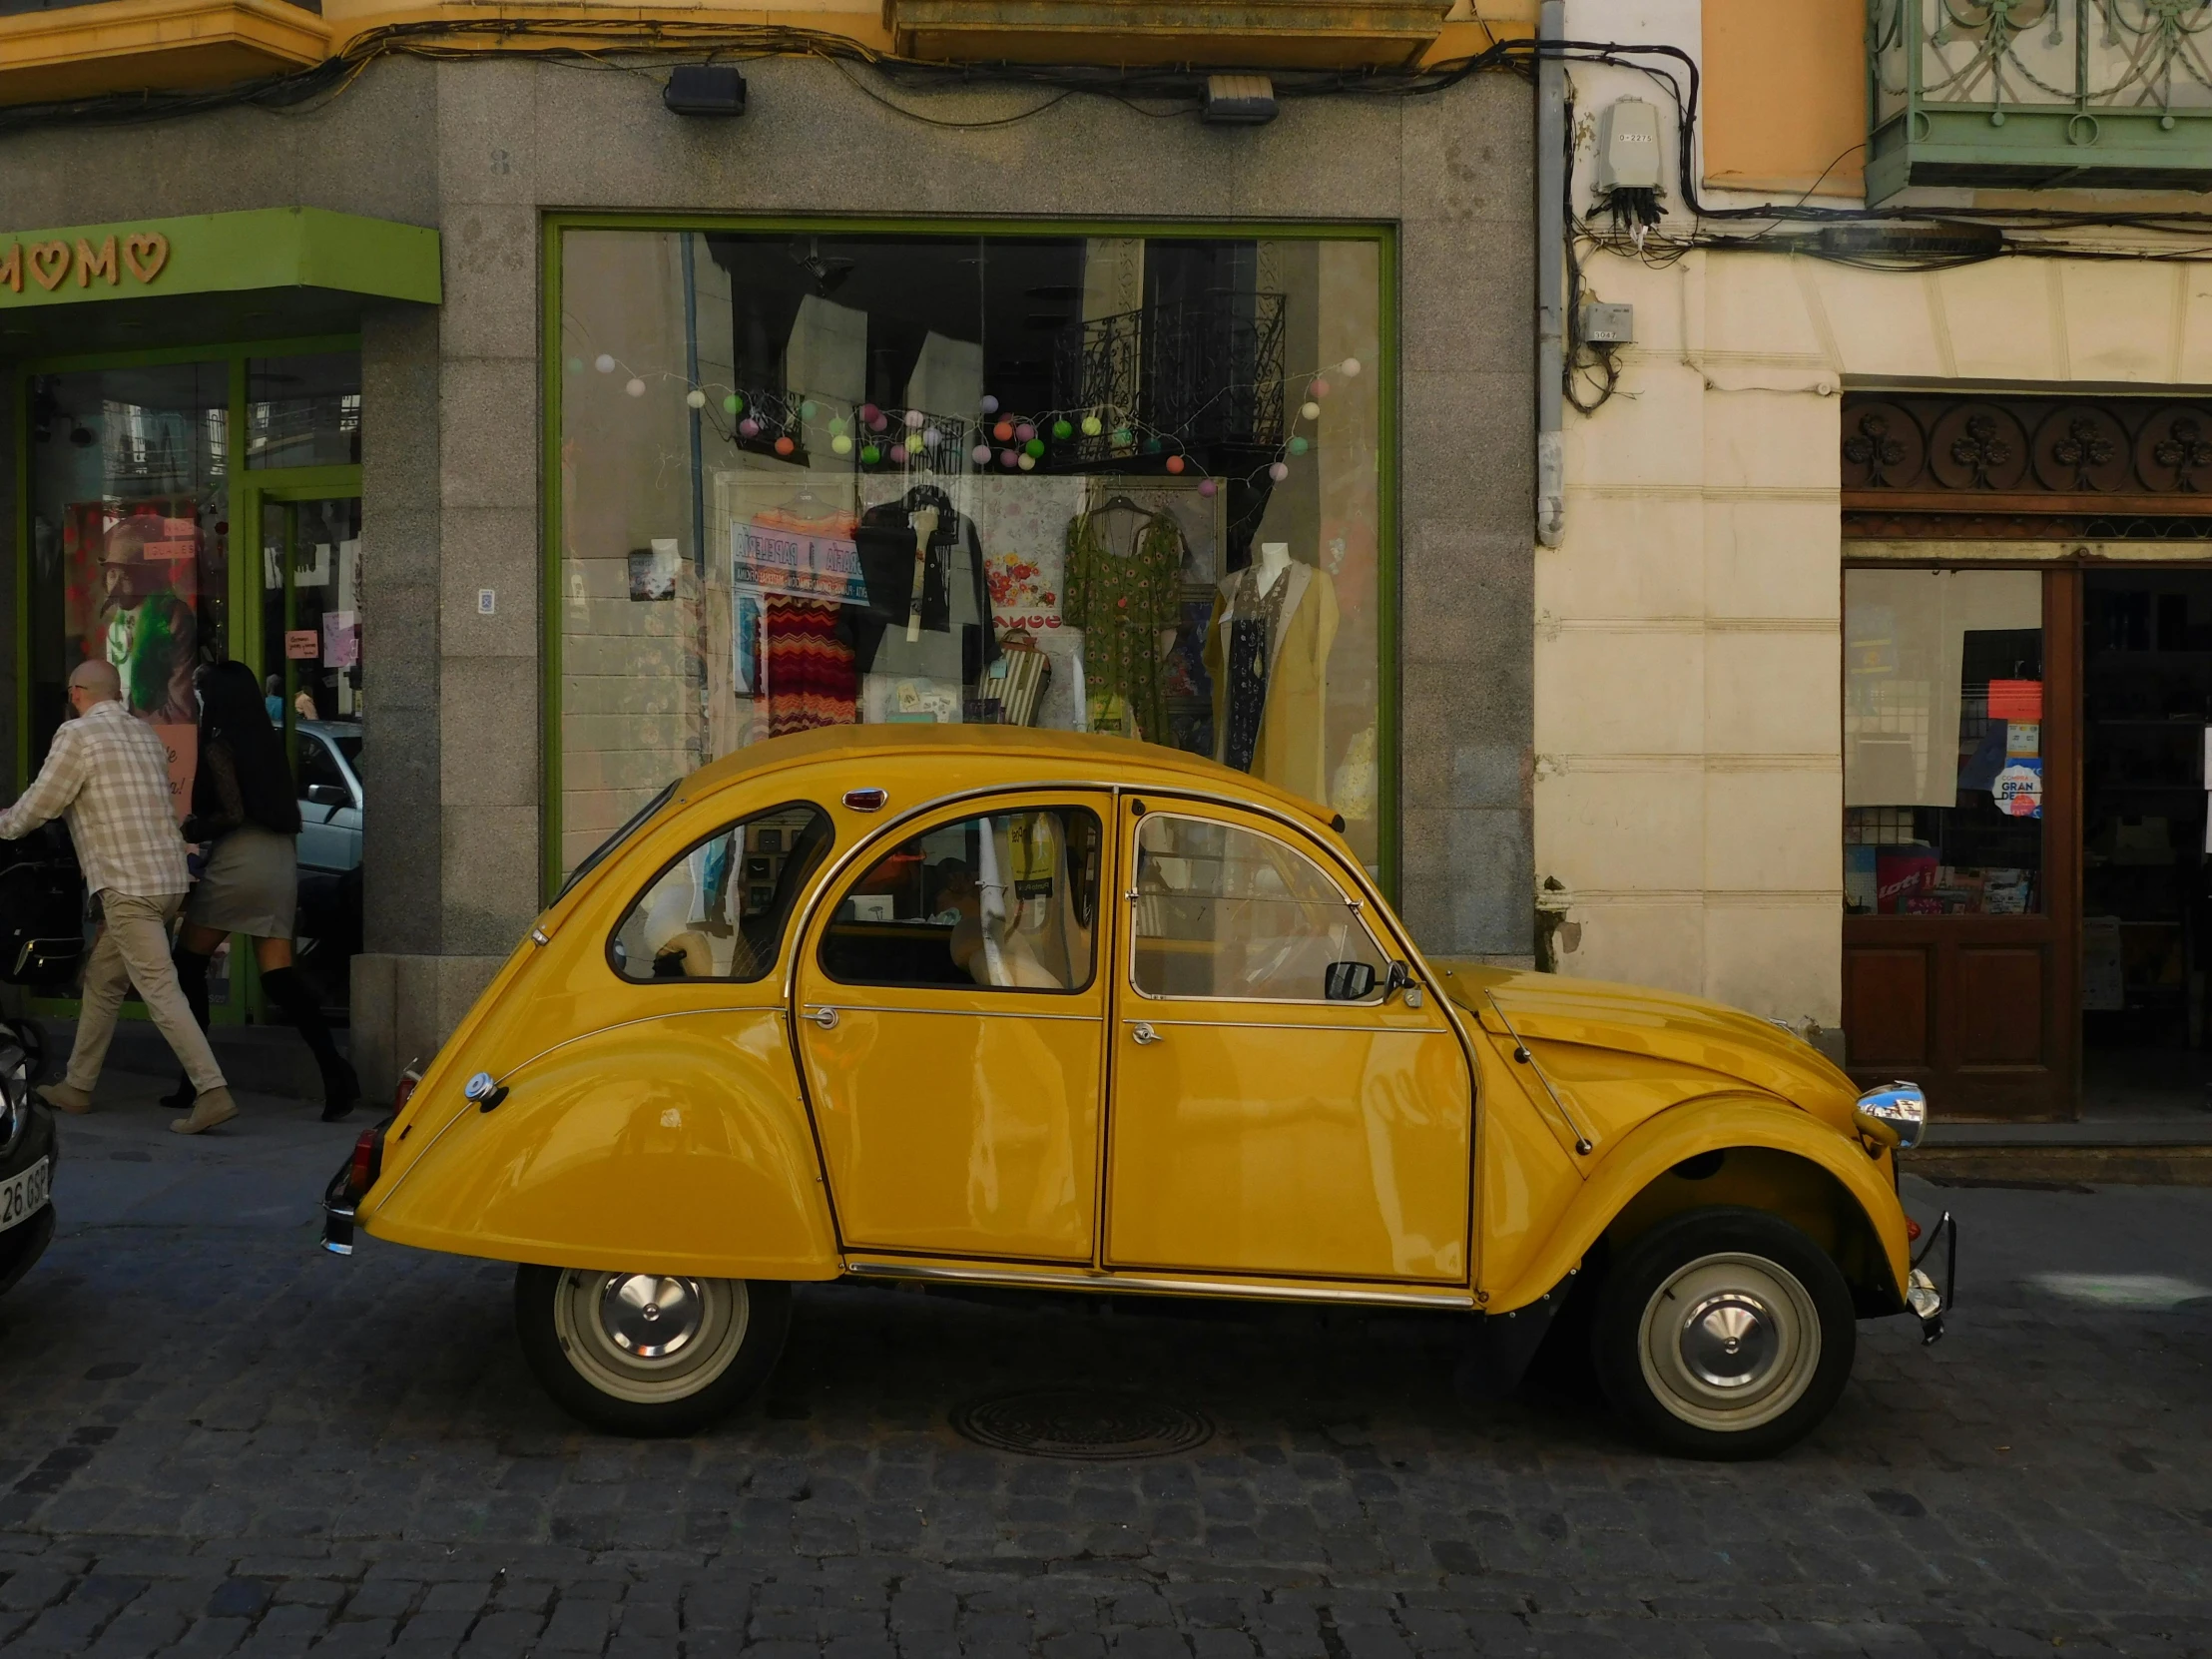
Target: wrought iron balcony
(2028,94)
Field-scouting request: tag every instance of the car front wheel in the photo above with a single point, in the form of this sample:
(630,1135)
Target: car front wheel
(647,1353)
(1723,1334)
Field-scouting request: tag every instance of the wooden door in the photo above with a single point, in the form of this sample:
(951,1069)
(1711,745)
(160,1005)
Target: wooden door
(1983,1011)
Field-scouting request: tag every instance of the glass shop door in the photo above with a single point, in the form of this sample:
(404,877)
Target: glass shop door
(310,639)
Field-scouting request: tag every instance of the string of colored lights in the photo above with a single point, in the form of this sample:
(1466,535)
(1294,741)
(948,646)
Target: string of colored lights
(871,435)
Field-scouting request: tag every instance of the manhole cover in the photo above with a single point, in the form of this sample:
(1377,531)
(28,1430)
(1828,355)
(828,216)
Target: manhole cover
(1096,1424)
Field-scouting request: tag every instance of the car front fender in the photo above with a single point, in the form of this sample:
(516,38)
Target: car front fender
(1714,1123)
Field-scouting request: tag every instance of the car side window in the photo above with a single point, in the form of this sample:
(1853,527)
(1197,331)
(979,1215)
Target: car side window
(1225,911)
(318,769)
(1005,901)
(720,909)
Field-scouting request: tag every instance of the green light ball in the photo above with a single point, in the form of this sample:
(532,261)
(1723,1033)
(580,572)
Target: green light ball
(1299,446)
(1121,434)
(836,425)
(733,404)
(870,454)
(1034,447)
(806,409)
(576,365)
(841,444)
(1092,426)
(1061,429)
(1152,446)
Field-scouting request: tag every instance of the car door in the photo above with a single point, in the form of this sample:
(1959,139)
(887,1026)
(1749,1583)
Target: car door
(1260,1124)
(330,820)
(951,1018)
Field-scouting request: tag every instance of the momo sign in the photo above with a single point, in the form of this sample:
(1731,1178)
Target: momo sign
(273,250)
(142,254)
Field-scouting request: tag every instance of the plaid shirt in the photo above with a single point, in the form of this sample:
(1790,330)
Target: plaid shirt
(108,774)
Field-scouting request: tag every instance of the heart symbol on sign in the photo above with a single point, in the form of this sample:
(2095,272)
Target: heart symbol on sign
(146,251)
(50,254)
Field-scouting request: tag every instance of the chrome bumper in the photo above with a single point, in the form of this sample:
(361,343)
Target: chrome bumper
(1928,1304)
(338,1213)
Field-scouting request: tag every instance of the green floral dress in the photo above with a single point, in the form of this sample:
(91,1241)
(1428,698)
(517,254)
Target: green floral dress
(1123,602)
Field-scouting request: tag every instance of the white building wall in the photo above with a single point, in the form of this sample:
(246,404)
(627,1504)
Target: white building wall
(1687,774)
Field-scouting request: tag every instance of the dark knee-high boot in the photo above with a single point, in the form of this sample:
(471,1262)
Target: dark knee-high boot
(340,1088)
(192,979)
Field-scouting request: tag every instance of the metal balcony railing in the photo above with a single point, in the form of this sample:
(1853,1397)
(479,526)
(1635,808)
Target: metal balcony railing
(2029,94)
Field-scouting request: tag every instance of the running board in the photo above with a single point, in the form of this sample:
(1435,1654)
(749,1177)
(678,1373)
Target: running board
(1087,1279)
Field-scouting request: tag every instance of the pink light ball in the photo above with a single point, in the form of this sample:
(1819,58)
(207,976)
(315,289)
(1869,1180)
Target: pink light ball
(1025,431)
(1279,471)
(1175,463)
(913,421)
(1320,388)
(1006,459)
(876,421)
(898,455)
(871,413)
(749,427)
(635,387)
(1351,369)
(981,454)
(1206,486)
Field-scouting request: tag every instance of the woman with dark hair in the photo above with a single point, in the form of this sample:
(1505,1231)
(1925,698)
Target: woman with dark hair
(244,803)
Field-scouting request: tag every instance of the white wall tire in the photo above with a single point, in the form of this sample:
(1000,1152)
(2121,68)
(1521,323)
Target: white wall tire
(647,1354)
(1723,1334)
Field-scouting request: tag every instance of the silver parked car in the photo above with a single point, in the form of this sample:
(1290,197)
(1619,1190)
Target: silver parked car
(330,796)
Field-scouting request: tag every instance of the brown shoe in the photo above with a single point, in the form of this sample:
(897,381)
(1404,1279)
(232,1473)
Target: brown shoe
(213,1107)
(64,1098)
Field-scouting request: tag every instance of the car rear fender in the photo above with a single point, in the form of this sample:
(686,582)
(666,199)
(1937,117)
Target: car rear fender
(675,1144)
(1774,1158)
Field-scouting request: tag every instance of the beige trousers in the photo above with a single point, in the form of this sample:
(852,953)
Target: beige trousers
(133,950)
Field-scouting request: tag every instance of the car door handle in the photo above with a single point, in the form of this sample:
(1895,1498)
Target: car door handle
(825,1017)
(1144,1035)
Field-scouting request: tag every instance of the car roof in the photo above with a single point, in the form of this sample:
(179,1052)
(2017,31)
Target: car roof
(1059,755)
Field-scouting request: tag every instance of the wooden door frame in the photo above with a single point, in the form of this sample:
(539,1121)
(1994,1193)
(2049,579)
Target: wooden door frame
(2050,1090)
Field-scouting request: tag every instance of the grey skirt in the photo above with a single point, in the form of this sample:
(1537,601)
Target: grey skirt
(252,884)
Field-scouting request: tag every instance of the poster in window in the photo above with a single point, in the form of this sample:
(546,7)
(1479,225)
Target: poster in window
(132,598)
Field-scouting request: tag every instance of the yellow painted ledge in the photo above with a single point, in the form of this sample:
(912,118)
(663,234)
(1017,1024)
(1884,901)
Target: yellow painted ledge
(159,45)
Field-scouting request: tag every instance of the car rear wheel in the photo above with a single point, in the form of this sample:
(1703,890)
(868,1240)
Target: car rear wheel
(1723,1334)
(648,1353)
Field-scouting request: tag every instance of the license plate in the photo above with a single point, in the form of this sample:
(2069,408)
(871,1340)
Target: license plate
(24,1196)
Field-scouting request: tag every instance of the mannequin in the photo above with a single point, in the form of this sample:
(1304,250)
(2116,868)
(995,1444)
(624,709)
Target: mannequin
(1266,649)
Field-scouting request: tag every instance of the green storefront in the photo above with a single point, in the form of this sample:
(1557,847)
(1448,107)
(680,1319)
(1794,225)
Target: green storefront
(185,413)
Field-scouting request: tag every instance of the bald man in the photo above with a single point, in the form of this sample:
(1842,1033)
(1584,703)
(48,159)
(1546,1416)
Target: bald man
(108,773)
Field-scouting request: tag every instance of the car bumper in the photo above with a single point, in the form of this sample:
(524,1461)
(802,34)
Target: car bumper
(338,1205)
(1928,1302)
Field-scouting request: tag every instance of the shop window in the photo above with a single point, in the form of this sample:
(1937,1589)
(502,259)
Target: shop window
(1003,901)
(1125,484)
(129,518)
(719,911)
(303,412)
(1229,912)
(1943,743)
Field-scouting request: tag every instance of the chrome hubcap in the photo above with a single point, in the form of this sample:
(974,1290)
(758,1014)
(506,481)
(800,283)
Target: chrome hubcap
(1728,1341)
(648,1316)
(650,1337)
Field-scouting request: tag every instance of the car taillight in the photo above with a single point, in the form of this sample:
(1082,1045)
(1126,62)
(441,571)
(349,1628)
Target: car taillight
(1911,1229)
(403,1091)
(368,1162)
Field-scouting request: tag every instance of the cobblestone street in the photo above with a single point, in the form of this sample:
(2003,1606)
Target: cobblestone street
(221,1440)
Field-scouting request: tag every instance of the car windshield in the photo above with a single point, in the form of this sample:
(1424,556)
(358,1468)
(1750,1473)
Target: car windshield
(598,854)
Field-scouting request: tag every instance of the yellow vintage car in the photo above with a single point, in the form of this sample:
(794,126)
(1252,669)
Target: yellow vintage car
(1006,1007)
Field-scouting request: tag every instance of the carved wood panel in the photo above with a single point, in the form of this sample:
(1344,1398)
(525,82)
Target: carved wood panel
(1932,453)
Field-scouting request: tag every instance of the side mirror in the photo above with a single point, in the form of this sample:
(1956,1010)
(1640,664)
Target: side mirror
(328,795)
(1347,981)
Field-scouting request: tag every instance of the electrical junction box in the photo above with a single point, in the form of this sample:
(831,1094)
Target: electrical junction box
(1608,325)
(1628,145)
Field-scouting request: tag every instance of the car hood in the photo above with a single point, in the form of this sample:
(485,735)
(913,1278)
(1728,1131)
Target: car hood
(1635,1020)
